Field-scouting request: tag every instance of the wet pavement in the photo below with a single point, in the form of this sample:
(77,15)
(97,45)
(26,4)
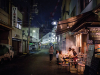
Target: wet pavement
(36,63)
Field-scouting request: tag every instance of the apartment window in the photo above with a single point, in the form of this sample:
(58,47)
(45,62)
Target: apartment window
(64,10)
(90,0)
(19,22)
(73,12)
(83,4)
(23,32)
(18,26)
(86,2)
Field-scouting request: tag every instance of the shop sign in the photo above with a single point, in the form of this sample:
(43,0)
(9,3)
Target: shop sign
(90,41)
(97,41)
(94,33)
(14,16)
(30,43)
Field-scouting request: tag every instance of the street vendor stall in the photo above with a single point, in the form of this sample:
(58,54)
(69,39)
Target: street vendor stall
(83,31)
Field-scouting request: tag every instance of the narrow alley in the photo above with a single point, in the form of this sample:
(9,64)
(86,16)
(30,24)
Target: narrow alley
(33,64)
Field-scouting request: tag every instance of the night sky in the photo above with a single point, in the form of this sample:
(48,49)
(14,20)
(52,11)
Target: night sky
(43,20)
(45,7)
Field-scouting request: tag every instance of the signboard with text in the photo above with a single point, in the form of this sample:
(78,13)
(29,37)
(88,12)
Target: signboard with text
(94,33)
(14,16)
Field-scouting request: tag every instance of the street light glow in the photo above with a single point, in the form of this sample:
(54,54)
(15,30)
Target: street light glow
(56,38)
(54,23)
(33,30)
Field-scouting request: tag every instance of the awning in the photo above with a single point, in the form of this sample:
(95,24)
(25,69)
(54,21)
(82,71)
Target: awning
(85,25)
(4,27)
(77,22)
(72,22)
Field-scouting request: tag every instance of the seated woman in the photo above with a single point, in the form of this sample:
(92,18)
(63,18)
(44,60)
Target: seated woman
(61,57)
(57,54)
(74,52)
(75,57)
(70,53)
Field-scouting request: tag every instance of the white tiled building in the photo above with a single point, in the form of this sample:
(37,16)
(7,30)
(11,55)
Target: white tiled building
(49,39)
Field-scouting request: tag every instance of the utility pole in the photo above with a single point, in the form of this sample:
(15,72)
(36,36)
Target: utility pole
(29,34)
(30,18)
(32,5)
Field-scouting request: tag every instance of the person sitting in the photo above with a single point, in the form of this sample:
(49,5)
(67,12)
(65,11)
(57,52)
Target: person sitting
(61,57)
(70,53)
(74,52)
(75,57)
(57,54)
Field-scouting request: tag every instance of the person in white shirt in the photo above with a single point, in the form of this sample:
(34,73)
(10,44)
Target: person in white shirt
(70,53)
(61,57)
(51,50)
(57,55)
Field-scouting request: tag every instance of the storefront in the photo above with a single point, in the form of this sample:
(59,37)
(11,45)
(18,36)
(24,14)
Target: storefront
(94,36)
(84,31)
(24,47)
(77,32)
(17,40)
(5,34)
(5,28)
(17,46)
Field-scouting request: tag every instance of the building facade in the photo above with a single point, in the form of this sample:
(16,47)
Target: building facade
(49,39)
(5,22)
(34,35)
(65,9)
(17,19)
(11,20)
(72,8)
(80,13)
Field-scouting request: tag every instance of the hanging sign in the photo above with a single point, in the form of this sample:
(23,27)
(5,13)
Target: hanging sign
(14,16)
(94,33)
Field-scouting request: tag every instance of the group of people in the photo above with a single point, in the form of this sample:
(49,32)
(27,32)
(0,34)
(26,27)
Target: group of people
(58,54)
(60,57)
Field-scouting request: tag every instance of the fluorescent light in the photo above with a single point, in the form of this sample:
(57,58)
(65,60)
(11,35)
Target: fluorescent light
(33,30)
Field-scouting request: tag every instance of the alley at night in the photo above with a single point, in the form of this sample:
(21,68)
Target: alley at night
(49,37)
(33,64)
